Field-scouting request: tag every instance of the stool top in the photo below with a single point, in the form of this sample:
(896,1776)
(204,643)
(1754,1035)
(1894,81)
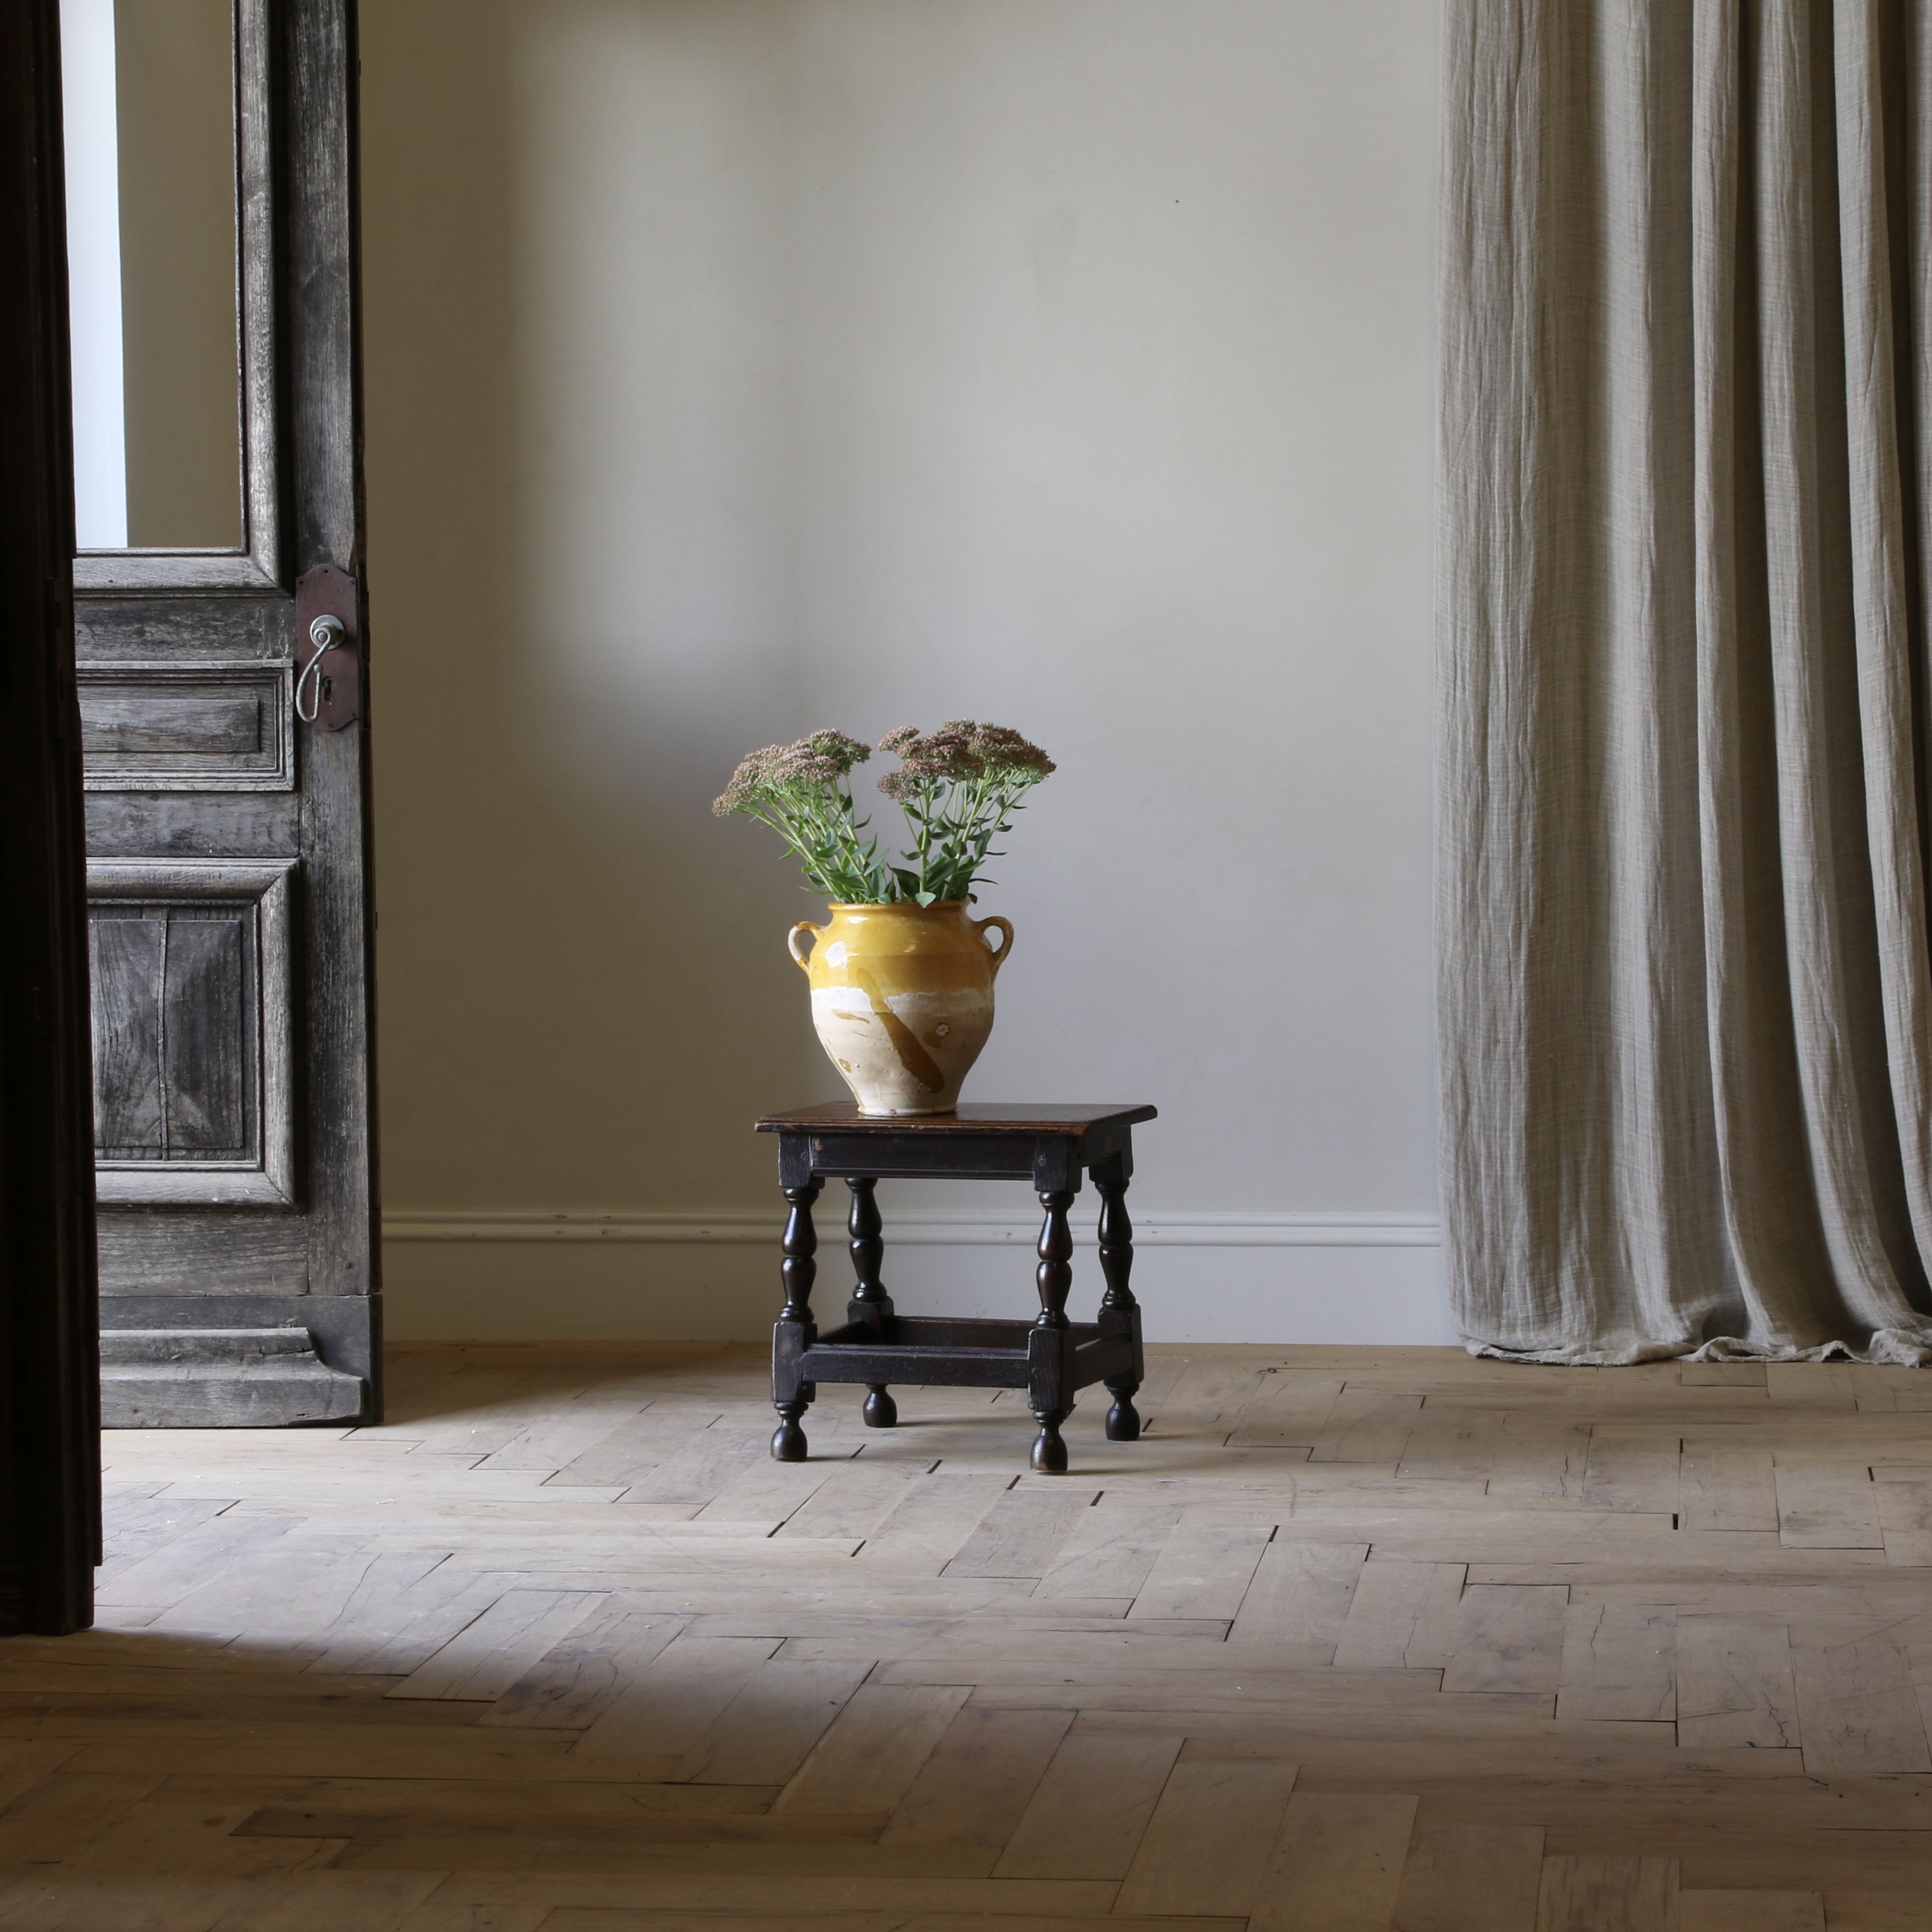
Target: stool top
(974,1117)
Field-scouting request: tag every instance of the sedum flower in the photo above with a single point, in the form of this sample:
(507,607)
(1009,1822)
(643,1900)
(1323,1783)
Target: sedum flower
(961,752)
(958,787)
(821,759)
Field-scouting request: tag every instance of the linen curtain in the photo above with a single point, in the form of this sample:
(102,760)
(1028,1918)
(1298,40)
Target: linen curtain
(1684,1006)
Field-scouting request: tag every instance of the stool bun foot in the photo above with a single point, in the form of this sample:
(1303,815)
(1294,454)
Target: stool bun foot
(788,1440)
(881,1411)
(1124,1420)
(1049,1452)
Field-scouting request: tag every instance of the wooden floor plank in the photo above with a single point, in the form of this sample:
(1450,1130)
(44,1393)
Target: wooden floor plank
(406,1607)
(1825,1503)
(700,1467)
(1735,1683)
(328,1901)
(1109,1552)
(875,1749)
(1367,1425)
(852,1499)
(1392,1599)
(1721,1375)
(1299,1593)
(565,1430)
(1634,1470)
(570,1919)
(981,1776)
(567,1687)
(793,1851)
(486,1657)
(1619,1660)
(767,1731)
(1847,1910)
(138,1522)
(1820,1387)
(763,1494)
(1584,1895)
(1207,1844)
(930,1524)
(66,1812)
(1086,1819)
(675,1699)
(183,1563)
(1452,1443)
(1471,1878)
(625,1456)
(1207,1399)
(193,1837)
(1203,1571)
(1538,1458)
(997,1900)
(1853,1722)
(1508,1637)
(1751,1912)
(1837,1861)
(1021,1535)
(1727,1488)
(1289,1408)
(1336,1865)
(1904,1499)
(463,1918)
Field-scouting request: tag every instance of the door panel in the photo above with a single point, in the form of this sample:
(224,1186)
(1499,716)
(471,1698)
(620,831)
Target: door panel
(228,880)
(224,1259)
(188,726)
(194,1099)
(172,1049)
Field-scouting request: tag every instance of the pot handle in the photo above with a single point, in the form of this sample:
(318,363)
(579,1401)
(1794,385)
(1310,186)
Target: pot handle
(1006,925)
(804,959)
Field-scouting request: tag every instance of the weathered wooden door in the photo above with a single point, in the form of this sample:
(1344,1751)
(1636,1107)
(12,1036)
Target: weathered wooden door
(211,213)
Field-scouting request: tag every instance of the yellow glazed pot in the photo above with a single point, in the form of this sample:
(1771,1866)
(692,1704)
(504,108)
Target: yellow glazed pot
(902,998)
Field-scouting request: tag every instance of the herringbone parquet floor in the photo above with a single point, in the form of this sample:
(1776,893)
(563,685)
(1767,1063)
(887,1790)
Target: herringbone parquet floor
(1354,1641)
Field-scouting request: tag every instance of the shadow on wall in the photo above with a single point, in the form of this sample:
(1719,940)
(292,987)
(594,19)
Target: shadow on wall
(573,989)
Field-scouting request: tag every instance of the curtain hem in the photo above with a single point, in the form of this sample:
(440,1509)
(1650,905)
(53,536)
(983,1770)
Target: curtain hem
(1895,1347)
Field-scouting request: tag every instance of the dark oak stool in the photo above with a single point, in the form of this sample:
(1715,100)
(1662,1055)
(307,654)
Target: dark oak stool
(1049,1356)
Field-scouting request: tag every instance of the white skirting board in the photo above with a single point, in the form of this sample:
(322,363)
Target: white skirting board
(1254,1277)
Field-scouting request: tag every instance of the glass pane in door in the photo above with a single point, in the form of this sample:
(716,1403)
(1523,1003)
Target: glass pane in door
(149,106)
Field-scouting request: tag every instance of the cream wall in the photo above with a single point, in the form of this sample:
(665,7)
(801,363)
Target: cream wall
(740,366)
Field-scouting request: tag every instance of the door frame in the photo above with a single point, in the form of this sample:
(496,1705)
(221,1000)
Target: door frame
(49,1369)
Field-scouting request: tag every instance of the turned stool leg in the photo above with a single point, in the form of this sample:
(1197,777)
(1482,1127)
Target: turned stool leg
(870,1302)
(1120,1313)
(1050,1345)
(795,1330)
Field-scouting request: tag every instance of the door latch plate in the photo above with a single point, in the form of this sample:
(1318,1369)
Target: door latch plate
(329,591)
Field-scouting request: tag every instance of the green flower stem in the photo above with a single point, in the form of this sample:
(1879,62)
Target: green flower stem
(958,790)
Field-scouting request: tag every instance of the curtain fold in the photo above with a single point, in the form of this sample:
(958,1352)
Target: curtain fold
(1684,986)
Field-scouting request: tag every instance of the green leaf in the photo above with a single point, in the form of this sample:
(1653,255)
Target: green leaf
(926,899)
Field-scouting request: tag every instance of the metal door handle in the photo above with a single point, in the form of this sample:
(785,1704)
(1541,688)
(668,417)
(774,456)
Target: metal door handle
(329,648)
(325,633)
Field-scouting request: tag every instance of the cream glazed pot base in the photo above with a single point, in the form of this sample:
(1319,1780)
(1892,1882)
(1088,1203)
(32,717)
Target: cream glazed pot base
(902,999)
